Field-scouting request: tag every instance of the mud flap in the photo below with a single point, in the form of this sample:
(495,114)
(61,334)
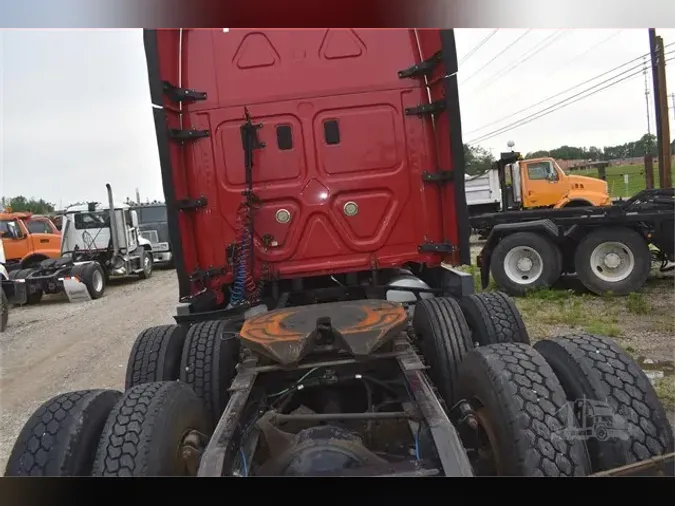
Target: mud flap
(16,291)
(75,290)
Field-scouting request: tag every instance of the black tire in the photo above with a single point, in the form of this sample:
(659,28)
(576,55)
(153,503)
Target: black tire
(61,437)
(515,393)
(493,318)
(87,273)
(146,256)
(156,355)
(143,433)
(547,250)
(632,242)
(445,339)
(597,369)
(208,364)
(4,310)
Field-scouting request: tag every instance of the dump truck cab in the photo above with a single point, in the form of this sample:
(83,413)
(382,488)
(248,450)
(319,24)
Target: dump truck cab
(540,182)
(28,239)
(153,226)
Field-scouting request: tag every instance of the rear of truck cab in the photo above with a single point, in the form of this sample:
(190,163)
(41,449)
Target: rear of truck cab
(355,170)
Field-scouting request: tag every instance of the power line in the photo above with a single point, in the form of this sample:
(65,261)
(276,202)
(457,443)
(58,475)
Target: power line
(552,108)
(478,46)
(498,55)
(487,125)
(557,70)
(554,37)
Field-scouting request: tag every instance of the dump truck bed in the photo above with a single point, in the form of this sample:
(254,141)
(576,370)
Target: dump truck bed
(339,174)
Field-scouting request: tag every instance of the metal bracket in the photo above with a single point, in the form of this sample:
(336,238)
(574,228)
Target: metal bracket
(187,135)
(437,247)
(177,94)
(432,108)
(424,68)
(440,177)
(192,204)
(203,275)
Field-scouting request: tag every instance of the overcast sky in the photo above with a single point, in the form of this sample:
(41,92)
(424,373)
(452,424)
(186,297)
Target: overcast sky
(76,113)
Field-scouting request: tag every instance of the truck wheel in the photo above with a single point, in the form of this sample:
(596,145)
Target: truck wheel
(525,261)
(615,259)
(93,277)
(595,371)
(146,260)
(146,431)
(518,407)
(210,356)
(156,355)
(445,339)
(61,437)
(4,310)
(493,318)
(34,298)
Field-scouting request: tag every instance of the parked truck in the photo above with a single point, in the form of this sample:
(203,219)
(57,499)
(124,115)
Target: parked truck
(610,248)
(28,239)
(153,225)
(514,183)
(98,242)
(316,206)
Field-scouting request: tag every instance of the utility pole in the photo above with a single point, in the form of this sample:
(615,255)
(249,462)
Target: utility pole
(649,159)
(660,107)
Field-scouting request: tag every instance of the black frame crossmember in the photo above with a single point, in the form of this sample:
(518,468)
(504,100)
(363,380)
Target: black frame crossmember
(177,94)
(432,108)
(192,204)
(177,134)
(424,68)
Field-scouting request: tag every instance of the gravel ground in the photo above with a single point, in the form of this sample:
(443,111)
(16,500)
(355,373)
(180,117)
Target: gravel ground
(56,347)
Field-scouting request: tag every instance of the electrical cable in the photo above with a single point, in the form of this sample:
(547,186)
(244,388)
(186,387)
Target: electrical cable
(562,104)
(497,55)
(477,47)
(548,41)
(568,90)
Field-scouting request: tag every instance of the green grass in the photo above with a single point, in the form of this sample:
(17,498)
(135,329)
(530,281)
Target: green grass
(637,303)
(615,181)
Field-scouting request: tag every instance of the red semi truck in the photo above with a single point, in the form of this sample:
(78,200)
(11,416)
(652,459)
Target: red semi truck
(315,201)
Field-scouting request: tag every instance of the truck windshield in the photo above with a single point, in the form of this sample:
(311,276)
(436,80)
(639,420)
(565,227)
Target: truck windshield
(152,214)
(97,219)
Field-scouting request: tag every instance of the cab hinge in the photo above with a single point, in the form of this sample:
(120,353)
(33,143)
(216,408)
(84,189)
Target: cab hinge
(177,94)
(424,68)
(440,177)
(187,135)
(191,204)
(437,247)
(432,108)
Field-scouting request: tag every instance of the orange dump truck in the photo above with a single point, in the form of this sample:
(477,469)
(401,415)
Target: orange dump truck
(28,239)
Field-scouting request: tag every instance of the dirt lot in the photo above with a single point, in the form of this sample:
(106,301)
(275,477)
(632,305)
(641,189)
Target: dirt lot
(55,346)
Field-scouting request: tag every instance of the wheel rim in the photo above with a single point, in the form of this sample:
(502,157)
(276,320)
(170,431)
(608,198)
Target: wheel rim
(612,261)
(97,281)
(523,265)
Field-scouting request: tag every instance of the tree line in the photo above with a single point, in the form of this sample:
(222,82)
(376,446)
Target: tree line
(21,204)
(479,159)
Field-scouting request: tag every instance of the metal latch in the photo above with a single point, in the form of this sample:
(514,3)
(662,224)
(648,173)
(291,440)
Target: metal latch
(187,135)
(437,247)
(440,177)
(423,68)
(192,204)
(431,108)
(177,94)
